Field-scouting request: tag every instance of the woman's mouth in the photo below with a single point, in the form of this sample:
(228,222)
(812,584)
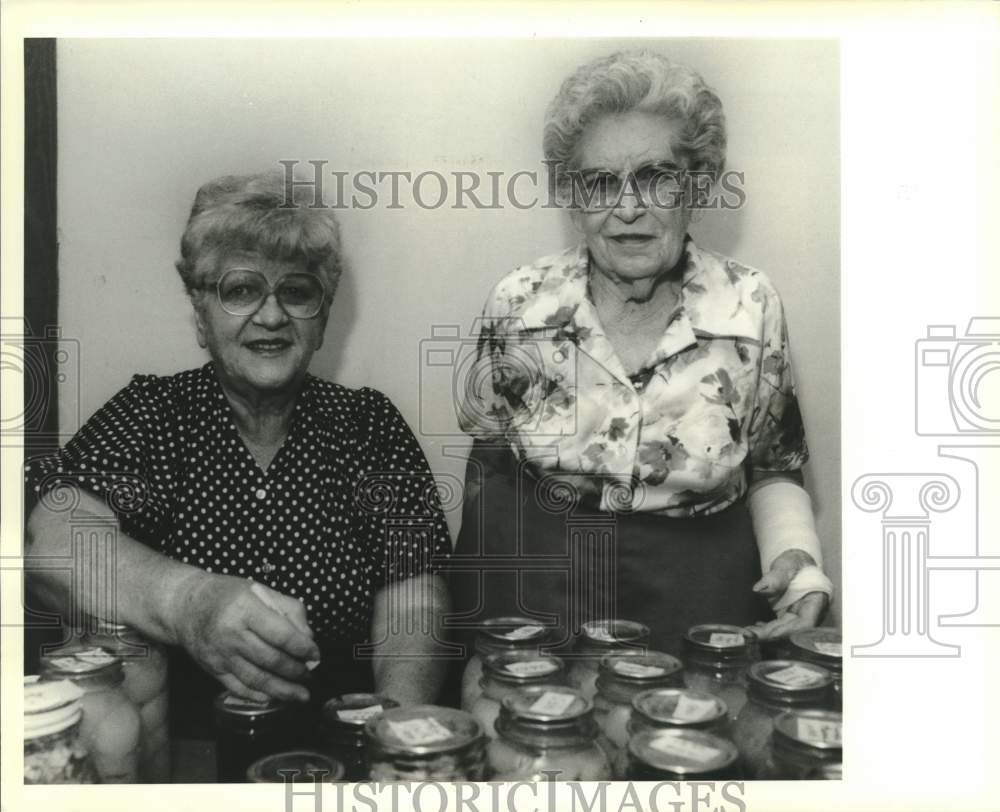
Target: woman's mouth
(631,240)
(268,346)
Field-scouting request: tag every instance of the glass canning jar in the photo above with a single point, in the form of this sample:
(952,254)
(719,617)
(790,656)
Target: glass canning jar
(681,755)
(500,635)
(547,732)
(598,639)
(246,731)
(54,752)
(299,766)
(716,658)
(506,673)
(110,725)
(805,744)
(342,729)
(425,743)
(821,647)
(145,664)
(775,686)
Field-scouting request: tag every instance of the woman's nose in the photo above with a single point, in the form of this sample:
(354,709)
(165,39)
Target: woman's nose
(270,313)
(630,206)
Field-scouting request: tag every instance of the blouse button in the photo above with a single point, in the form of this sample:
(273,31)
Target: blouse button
(261,493)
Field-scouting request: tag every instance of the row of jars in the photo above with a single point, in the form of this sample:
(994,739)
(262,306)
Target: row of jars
(98,711)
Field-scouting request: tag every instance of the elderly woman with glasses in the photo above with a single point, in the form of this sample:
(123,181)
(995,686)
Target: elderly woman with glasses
(253,500)
(638,442)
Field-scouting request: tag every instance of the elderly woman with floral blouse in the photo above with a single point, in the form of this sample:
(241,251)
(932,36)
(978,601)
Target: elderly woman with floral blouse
(637,388)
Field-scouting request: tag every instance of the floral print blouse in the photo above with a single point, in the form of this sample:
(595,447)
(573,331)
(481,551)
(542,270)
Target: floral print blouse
(715,398)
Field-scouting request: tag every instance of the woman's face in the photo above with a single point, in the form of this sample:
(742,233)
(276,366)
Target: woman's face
(634,238)
(268,351)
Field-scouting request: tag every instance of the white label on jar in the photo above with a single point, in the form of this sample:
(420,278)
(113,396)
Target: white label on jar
(359,714)
(600,633)
(726,639)
(531,668)
(818,730)
(639,671)
(419,731)
(95,656)
(676,746)
(232,701)
(691,710)
(795,676)
(552,703)
(70,664)
(833,649)
(523,633)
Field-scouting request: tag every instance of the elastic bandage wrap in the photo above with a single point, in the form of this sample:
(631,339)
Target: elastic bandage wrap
(783,520)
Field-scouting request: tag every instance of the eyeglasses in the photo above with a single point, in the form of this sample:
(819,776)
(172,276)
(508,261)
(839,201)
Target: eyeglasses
(660,184)
(242,292)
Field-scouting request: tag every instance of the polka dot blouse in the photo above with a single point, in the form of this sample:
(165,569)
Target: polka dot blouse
(347,505)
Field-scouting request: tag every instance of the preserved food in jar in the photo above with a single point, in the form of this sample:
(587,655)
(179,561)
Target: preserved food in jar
(246,731)
(681,755)
(298,766)
(53,750)
(506,673)
(806,745)
(500,635)
(547,732)
(598,639)
(342,727)
(775,686)
(716,658)
(110,725)
(425,743)
(145,665)
(821,647)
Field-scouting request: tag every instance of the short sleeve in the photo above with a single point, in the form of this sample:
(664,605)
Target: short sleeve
(112,457)
(398,497)
(776,438)
(485,393)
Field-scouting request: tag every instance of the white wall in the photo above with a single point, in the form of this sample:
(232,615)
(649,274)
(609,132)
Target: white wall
(142,123)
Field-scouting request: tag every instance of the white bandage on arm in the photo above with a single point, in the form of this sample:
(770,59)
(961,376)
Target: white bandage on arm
(783,520)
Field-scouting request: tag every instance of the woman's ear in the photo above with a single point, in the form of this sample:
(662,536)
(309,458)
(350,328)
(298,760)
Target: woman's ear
(201,331)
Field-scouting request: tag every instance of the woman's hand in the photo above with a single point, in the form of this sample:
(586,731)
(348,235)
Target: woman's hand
(254,650)
(805,613)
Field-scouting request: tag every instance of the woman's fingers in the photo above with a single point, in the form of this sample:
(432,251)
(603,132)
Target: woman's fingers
(805,613)
(234,686)
(278,631)
(265,682)
(268,658)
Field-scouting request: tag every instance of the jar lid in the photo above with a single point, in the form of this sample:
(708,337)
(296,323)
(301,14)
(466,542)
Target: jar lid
(300,766)
(720,641)
(813,729)
(546,704)
(640,668)
(790,682)
(86,663)
(678,707)
(513,632)
(819,646)
(682,752)
(229,704)
(613,633)
(352,711)
(49,706)
(522,668)
(423,730)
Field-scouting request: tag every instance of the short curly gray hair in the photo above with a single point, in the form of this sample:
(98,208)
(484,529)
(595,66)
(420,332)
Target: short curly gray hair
(642,81)
(268,213)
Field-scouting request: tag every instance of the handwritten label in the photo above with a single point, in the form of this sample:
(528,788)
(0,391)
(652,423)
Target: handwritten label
(552,703)
(822,731)
(693,710)
(628,669)
(359,714)
(832,649)
(795,676)
(523,633)
(676,746)
(423,730)
(531,668)
(726,639)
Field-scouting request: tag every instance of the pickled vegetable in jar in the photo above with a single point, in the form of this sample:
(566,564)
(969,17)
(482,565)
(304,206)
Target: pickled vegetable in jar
(246,731)
(681,755)
(145,665)
(716,658)
(775,686)
(295,766)
(342,729)
(506,673)
(110,725)
(547,732)
(806,744)
(425,743)
(598,639)
(821,647)
(497,636)
(54,752)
